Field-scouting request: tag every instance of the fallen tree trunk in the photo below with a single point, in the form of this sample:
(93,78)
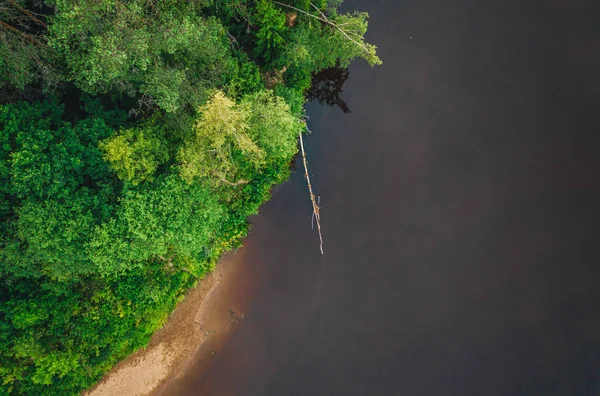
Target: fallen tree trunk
(316,209)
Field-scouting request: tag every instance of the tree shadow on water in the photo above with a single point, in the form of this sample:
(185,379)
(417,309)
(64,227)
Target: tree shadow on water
(327,87)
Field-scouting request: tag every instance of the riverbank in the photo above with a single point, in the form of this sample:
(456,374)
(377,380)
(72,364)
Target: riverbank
(196,321)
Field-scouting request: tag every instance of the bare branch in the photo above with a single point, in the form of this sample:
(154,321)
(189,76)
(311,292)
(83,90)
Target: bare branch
(316,213)
(28,13)
(20,33)
(236,183)
(223,179)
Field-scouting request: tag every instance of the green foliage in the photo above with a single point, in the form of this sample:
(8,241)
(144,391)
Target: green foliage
(25,58)
(272,125)
(57,343)
(56,188)
(233,140)
(163,126)
(158,219)
(136,153)
(247,80)
(294,97)
(270,37)
(141,49)
(17,68)
(298,78)
(220,135)
(314,45)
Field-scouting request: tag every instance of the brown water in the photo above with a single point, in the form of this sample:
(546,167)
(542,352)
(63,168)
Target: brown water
(461,219)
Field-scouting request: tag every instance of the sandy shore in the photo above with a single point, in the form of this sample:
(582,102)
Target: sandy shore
(196,320)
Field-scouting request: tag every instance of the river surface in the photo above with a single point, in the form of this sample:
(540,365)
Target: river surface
(460,209)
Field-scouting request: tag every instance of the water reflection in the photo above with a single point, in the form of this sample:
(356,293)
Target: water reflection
(328,86)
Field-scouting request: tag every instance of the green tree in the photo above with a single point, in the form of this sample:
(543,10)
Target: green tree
(159,52)
(219,137)
(25,57)
(315,45)
(231,141)
(136,153)
(159,219)
(270,37)
(56,188)
(272,125)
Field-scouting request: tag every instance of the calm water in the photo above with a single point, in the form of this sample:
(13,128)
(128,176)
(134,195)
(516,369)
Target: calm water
(461,218)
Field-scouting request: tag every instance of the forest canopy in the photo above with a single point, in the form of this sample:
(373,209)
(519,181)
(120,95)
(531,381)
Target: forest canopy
(136,138)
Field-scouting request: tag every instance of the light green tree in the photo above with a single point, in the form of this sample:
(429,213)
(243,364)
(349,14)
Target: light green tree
(272,125)
(135,153)
(219,138)
(231,141)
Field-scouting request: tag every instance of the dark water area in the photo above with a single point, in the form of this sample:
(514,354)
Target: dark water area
(460,213)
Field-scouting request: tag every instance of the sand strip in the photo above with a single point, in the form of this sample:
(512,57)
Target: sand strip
(172,348)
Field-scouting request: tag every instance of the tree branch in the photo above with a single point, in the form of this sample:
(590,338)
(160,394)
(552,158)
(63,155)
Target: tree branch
(325,20)
(15,30)
(316,210)
(28,13)
(237,183)
(223,179)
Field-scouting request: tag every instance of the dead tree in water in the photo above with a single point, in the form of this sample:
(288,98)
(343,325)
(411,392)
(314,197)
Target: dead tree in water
(316,214)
